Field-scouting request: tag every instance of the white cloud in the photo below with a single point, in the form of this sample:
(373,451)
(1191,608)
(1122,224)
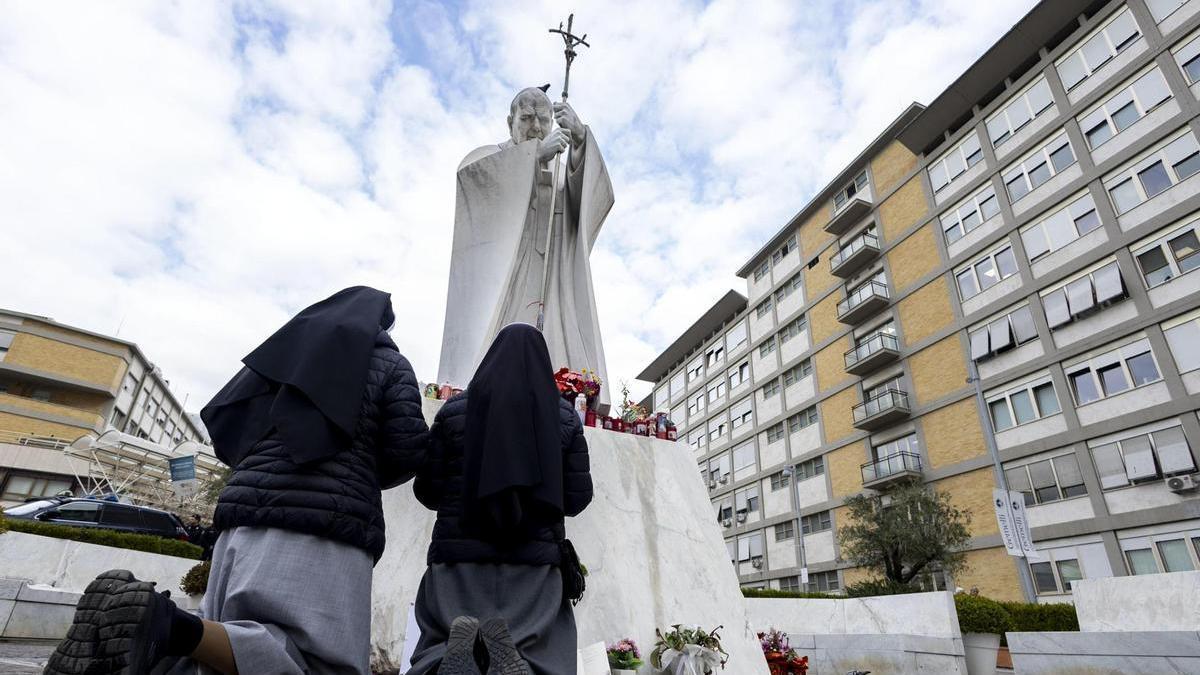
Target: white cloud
(196,173)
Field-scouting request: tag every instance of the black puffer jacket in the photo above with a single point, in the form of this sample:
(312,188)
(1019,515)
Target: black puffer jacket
(337,498)
(439,486)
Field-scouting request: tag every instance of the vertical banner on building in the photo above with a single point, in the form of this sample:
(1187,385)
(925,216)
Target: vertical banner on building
(1004,518)
(1016,504)
(803,575)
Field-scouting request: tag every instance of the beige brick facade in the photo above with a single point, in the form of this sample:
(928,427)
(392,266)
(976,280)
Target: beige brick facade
(32,426)
(993,572)
(812,237)
(67,360)
(21,403)
(953,434)
(890,165)
(972,492)
(836,416)
(926,312)
(843,466)
(822,319)
(938,370)
(830,364)
(912,259)
(819,279)
(902,209)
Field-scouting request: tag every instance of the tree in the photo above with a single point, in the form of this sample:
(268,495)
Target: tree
(905,531)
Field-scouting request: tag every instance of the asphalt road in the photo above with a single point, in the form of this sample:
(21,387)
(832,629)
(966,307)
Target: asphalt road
(23,657)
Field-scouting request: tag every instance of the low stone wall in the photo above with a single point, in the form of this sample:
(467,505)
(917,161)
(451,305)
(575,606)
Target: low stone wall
(1148,602)
(71,565)
(908,633)
(34,612)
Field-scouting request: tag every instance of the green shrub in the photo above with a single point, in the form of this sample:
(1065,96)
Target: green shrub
(774,593)
(133,542)
(873,587)
(195,582)
(3,524)
(1033,617)
(977,614)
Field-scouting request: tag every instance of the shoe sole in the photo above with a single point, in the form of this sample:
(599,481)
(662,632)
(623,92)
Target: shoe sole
(460,649)
(505,659)
(75,653)
(126,624)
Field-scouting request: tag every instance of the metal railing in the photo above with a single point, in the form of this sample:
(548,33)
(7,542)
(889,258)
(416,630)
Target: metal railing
(872,346)
(892,464)
(890,399)
(871,289)
(18,438)
(857,244)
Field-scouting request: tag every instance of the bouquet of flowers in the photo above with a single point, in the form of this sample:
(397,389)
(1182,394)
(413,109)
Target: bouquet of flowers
(688,651)
(781,658)
(624,655)
(570,383)
(591,384)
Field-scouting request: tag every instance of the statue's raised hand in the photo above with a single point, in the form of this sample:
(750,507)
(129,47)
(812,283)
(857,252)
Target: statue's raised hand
(565,115)
(552,144)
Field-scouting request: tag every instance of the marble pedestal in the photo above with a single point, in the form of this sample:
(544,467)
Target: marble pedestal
(653,549)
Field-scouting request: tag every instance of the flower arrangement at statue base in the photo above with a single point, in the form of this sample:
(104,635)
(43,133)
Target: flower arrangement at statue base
(572,384)
(624,657)
(781,658)
(688,651)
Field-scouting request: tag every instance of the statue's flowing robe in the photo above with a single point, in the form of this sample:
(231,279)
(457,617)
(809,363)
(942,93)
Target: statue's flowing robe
(500,246)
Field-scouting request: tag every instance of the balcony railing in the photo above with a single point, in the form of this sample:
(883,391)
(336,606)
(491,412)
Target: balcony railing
(863,301)
(881,409)
(849,214)
(861,250)
(897,466)
(872,353)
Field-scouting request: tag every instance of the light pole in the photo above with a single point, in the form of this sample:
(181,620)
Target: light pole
(790,473)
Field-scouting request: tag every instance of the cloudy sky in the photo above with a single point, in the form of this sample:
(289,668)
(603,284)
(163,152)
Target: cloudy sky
(193,173)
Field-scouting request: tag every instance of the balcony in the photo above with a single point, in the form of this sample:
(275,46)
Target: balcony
(855,210)
(881,410)
(872,354)
(863,301)
(895,468)
(853,256)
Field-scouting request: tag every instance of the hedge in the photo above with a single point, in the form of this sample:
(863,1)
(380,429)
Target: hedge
(1033,617)
(3,524)
(133,542)
(873,587)
(774,593)
(977,614)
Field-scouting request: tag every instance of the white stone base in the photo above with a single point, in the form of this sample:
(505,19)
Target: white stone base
(34,612)
(649,540)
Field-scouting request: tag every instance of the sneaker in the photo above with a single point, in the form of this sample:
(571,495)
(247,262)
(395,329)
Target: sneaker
(460,648)
(135,630)
(502,653)
(74,654)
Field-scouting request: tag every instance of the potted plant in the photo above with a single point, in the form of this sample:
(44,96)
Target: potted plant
(624,657)
(688,651)
(781,658)
(982,622)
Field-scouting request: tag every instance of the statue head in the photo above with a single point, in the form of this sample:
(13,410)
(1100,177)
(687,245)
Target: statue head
(530,115)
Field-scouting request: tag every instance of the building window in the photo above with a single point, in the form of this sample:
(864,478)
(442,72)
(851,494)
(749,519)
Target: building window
(1140,455)
(1171,255)
(739,375)
(718,468)
(779,481)
(1061,227)
(741,413)
(1030,103)
(19,487)
(775,433)
(811,468)
(1153,172)
(1084,295)
(955,163)
(695,371)
(715,355)
(736,337)
(766,347)
(908,444)
(793,328)
(42,395)
(762,270)
(716,429)
(1126,105)
(1183,336)
(970,214)
(1113,372)
(1055,577)
(1023,404)
(1161,9)
(790,286)
(797,372)
(764,308)
(847,193)
(1164,555)
(6,339)
(790,584)
(1002,334)
(1047,480)
(802,419)
(750,547)
(744,456)
(783,251)
(696,404)
(1188,59)
(785,530)
(1038,167)
(1098,48)
(770,389)
(716,390)
(678,385)
(986,272)
(816,522)
(747,501)
(822,582)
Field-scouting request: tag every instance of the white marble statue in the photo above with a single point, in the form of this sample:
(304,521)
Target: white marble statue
(500,248)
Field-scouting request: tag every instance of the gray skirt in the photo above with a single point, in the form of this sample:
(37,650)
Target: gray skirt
(290,602)
(529,597)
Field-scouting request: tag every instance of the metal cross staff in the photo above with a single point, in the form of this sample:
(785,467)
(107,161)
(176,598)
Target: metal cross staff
(570,42)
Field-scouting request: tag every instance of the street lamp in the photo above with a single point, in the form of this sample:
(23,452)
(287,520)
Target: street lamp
(790,473)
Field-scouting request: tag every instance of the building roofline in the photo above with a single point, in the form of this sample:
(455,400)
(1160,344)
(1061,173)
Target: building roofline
(844,176)
(1022,42)
(729,305)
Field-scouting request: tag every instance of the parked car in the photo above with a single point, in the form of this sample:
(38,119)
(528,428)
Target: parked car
(101,514)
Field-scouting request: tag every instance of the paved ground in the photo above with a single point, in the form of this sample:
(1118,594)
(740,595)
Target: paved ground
(23,657)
